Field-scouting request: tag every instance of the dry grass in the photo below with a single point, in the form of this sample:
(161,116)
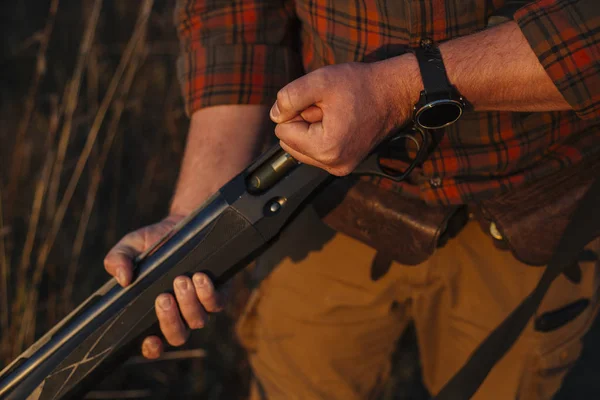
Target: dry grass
(92,133)
(43,39)
(29,277)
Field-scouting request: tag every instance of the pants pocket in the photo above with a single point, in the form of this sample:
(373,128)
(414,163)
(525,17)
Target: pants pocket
(557,353)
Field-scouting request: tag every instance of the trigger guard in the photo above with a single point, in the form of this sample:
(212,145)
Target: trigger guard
(372,166)
(411,137)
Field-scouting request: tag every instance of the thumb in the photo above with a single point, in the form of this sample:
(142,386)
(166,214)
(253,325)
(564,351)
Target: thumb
(294,98)
(119,260)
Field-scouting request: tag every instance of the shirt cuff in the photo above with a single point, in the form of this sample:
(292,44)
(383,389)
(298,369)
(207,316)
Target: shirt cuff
(560,35)
(235,74)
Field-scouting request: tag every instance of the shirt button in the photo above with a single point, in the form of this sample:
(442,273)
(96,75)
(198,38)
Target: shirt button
(435,181)
(495,232)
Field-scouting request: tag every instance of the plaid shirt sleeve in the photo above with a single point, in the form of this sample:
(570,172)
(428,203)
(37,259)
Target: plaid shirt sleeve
(235,51)
(565,36)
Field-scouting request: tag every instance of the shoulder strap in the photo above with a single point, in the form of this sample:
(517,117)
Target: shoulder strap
(579,232)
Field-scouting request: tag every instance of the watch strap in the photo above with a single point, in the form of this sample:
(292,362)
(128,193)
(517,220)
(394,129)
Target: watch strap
(432,68)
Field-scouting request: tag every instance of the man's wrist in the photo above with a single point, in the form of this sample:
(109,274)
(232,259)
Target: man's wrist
(403,84)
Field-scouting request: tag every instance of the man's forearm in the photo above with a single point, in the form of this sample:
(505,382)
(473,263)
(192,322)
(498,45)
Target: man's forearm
(222,140)
(495,70)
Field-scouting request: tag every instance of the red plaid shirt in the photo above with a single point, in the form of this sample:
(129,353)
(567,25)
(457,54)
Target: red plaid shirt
(244,51)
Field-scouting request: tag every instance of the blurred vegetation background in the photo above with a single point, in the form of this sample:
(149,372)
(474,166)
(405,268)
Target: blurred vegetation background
(91,136)
(92,132)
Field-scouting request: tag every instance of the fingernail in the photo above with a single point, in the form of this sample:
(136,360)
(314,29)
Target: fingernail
(199,280)
(121,277)
(275,111)
(164,302)
(181,283)
(152,345)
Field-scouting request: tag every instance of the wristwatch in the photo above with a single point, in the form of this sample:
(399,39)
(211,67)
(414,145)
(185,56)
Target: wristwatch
(440,104)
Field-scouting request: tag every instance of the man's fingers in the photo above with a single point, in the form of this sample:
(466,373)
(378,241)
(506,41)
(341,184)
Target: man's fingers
(312,114)
(338,170)
(294,134)
(301,136)
(152,347)
(189,304)
(298,156)
(295,97)
(206,293)
(118,262)
(169,320)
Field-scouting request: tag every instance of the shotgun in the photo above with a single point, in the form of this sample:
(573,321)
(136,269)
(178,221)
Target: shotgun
(223,235)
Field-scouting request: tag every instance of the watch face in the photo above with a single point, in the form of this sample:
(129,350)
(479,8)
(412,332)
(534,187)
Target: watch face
(439,113)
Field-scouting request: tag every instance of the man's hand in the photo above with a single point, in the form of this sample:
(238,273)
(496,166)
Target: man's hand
(332,117)
(222,140)
(195,296)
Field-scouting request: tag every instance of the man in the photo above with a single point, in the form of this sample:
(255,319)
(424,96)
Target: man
(319,326)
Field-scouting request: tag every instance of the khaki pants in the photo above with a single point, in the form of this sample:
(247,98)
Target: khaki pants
(319,327)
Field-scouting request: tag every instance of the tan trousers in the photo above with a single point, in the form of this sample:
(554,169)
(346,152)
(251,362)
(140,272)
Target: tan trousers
(319,327)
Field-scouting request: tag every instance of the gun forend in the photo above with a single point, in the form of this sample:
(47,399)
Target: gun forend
(219,238)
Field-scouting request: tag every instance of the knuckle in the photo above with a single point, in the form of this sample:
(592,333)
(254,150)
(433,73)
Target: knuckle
(174,332)
(279,130)
(329,158)
(108,264)
(287,96)
(345,170)
(347,166)
(129,239)
(334,171)
(283,97)
(322,77)
(186,308)
(147,236)
(163,319)
(342,170)
(280,94)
